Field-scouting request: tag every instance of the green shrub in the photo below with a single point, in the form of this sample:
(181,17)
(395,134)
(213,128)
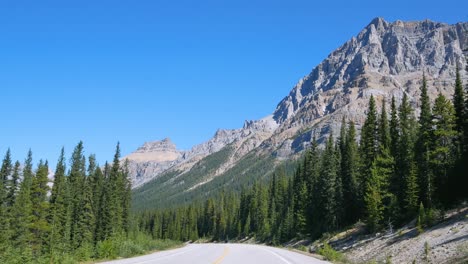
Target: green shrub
(330,254)
(426,251)
(388,260)
(303,248)
(129,248)
(419,226)
(433,216)
(84,252)
(106,249)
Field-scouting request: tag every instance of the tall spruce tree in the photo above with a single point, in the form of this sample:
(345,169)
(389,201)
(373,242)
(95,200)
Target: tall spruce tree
(373,199)
(384,138)
(377,194)
(423,145)
(86,220)
(311,177)
(22,209)
(368,145)
(5,172)
(350,161)
(76,187)
(115,193)
(460,111)
(104,220)
(405,162)
(39,226)
(13,186)
(444,151)
(59,214)
(394,130)
(6,168)
(126,196)
(326,200)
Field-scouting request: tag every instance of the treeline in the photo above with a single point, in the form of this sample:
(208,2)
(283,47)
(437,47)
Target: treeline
(84,208)
(402,166)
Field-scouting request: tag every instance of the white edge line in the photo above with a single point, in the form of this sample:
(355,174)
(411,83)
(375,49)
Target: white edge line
(163,257)
(277,255)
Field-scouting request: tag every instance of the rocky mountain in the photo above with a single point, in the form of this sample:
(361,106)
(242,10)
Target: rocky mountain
(385,59)
(154,158)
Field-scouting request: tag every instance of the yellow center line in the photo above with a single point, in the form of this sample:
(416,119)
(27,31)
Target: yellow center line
(220,259)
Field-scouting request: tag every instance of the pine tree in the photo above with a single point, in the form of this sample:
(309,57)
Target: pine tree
(97,180)
(349,176)
(86,219)
(394,130)
(405,162)
(369,138)
(6,168)
(126,196)
(378,197)
(373,200)
(5,172)
(22,209)
(76,185)
(411,197)
(459,105)
(104,219)
(444,151)
(13,186)
(423,147)
(39,226)
(94,183)
(59,214)
(339,153)
(311,178)
(368,147)
(463,177)
(326,199)
(115,187)
(384,138)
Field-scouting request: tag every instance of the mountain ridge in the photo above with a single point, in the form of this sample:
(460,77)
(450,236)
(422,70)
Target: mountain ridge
(385,59)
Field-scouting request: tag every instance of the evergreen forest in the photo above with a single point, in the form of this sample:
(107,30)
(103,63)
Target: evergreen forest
(84,215)
(403,166)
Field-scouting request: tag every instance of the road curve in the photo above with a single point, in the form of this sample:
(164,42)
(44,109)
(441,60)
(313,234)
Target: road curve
(222,254)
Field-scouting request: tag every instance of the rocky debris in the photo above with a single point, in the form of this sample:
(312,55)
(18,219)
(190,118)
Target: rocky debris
(446,242)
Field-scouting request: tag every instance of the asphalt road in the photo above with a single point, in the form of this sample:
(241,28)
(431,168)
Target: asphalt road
(222,254)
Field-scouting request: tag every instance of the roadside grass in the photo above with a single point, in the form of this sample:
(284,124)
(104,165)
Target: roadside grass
(331,254)
(125,248)
(117,247)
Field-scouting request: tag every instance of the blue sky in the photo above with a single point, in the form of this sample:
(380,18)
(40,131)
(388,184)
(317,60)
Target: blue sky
(136,71)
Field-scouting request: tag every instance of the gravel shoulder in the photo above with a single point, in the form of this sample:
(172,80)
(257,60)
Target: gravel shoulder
(446,242)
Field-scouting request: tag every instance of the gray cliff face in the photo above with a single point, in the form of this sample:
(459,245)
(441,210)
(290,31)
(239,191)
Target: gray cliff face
(384,60)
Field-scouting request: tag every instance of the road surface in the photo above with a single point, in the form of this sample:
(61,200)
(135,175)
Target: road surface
(222,254)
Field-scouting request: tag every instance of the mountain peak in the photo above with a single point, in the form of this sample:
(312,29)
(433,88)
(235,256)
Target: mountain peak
(154,146)
(378,22)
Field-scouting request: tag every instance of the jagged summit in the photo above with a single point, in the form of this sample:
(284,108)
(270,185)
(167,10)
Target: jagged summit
(153,146)
(383,55)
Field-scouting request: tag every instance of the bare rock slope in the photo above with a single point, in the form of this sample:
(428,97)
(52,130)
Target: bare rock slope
(445,242)
(385,59)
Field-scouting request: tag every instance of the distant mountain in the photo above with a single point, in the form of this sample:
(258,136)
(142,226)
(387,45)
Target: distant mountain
(385,59)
